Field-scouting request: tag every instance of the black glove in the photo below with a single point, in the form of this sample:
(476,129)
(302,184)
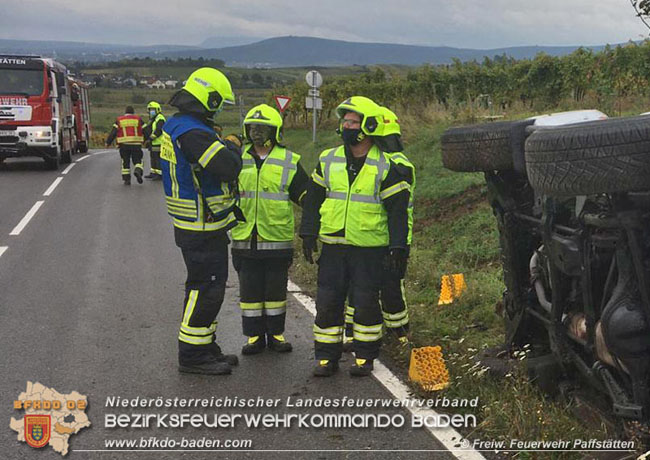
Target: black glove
(232,146)
(397,260)
(236,139)
(309,246)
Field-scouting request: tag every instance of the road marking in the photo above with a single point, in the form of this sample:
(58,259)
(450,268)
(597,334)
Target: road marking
(67,170)
(448,437)
(23,223)
(100,152)
(82,158)
(56,182)
(3,249)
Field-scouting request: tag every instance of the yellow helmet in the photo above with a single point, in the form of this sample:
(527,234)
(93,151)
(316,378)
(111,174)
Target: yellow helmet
(369,111)
(210,87)
(153,105)
(388,136)
(263,114)
(388,123)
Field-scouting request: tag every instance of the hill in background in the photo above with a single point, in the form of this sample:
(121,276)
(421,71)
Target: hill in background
(279,52)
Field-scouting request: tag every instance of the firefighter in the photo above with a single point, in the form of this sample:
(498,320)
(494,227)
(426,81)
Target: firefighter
(127,130)
(388,138)
(153,134)
(199,172)
(262,248)
(356,204)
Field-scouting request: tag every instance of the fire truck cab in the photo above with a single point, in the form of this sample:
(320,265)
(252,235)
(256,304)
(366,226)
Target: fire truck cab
(36,110)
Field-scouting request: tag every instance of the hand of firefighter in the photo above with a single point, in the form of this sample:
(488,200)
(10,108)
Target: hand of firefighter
(397,260)
(309,246)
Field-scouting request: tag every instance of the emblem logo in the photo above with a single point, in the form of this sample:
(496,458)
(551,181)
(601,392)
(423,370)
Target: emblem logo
(37,430)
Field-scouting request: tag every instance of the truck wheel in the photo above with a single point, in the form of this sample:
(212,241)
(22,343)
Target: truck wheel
(83,145)
(483,147)
(52,163)
(66,155)
(605,156)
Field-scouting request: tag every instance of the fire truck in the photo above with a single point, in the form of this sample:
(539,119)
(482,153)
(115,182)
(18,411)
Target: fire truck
(36,110)
(81,109)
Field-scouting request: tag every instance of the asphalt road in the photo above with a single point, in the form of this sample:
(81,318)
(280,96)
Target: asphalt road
(90,301)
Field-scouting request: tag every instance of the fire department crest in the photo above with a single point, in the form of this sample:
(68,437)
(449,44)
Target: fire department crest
(37,430)
(50,418)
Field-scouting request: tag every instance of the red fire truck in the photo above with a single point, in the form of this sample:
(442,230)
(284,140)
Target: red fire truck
(36,110)
(81,109)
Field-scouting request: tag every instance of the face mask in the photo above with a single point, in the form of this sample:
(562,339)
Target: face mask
(152,113)
(352,136)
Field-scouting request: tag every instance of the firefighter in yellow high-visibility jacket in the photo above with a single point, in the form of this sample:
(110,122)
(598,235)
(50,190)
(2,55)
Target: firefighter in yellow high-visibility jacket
(393,297)
(262,248)
(356,204)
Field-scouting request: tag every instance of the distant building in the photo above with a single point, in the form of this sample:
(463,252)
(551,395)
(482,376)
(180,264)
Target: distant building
(156,85)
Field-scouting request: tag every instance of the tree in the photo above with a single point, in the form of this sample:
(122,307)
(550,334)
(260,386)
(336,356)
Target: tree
(642,9)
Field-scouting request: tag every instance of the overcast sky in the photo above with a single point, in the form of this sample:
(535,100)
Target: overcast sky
(469,23)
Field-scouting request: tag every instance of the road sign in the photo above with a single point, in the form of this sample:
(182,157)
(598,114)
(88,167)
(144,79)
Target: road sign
(314,79)
(314,103)
(313,92)
(282,102)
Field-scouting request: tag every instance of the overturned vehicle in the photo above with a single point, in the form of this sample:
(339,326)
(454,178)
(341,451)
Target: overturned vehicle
(571,196)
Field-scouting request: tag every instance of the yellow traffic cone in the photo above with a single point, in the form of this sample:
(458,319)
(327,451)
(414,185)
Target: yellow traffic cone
(427,368)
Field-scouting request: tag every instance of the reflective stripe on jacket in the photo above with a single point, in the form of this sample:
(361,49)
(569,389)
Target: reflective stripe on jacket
(195,199)
(129,130)
(264,200)
(356,208)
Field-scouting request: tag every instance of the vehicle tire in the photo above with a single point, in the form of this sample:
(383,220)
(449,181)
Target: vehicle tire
(484,147)
(52,163)
(66,155)
(605,156)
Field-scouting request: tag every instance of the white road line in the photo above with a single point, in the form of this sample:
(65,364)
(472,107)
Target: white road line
(448,437)
(3,249)
(67,170)
(51,188)
(82,158)
(23,223)
(100,152)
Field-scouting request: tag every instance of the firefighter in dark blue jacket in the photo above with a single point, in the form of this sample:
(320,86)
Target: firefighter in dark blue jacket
(199,172)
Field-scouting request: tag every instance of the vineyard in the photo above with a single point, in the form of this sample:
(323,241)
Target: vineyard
(611,80)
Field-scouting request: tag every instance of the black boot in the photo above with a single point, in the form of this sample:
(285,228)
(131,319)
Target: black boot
(215,349)
(210,367)
(201,359)
(138,175)
(326,368)
(255,345)
(362,368)
(278,343)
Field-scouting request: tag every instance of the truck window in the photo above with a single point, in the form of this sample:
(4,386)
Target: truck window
(26,82)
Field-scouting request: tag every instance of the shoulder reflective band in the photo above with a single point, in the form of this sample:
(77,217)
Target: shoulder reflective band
(210,153)
(328,160)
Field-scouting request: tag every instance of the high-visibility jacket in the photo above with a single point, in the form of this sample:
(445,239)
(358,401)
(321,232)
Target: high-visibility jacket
(129,130)
(196,200)
(264,200)
(160,118)
(357,208)
(401,159)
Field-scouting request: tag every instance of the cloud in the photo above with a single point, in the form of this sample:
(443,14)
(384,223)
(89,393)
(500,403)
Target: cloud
(471,23)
